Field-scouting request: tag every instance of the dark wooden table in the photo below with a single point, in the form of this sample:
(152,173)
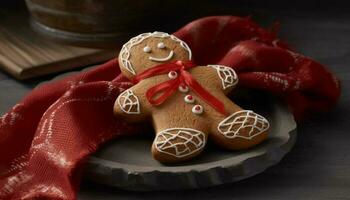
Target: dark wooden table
(319,165)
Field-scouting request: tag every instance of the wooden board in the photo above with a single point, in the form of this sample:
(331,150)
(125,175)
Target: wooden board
(24,54)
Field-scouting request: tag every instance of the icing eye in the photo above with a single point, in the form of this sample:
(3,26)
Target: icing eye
(146,49)
(161,45)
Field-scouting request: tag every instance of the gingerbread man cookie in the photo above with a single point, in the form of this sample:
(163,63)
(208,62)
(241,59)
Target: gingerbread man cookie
(186,103)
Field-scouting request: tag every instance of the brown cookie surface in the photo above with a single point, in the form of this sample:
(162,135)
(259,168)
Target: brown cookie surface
(185,120)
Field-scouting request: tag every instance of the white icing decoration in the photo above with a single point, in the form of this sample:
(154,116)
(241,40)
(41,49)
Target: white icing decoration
(172,74)
(199,111)
(189,99)
(161,45)
(245,119)
(227,75)
(179,142)
(125,51)
(147,49)
(128,102)
(171,54)
(183,88)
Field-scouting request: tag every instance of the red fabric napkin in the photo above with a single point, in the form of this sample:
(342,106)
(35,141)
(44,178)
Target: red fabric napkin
(46,138)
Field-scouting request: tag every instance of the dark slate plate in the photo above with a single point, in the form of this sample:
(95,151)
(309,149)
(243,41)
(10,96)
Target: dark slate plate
(127,162)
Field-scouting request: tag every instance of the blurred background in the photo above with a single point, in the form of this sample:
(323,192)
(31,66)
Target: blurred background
(107,22)
(40,37)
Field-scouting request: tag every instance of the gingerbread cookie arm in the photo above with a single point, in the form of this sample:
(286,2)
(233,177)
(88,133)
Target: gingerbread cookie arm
(130,105)
(226,76)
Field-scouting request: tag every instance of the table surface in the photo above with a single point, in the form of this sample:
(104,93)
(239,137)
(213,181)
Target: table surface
(318,167)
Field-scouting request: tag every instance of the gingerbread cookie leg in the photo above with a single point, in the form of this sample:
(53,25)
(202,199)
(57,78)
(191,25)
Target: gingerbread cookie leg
(178,144)
(242,129)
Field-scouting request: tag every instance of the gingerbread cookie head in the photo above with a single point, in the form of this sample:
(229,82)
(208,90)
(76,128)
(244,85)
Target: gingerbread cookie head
(149,49)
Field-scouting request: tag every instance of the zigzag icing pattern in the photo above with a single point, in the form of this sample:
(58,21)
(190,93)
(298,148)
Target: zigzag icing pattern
(227,75)
(246,119)
(180,142)
(128,102)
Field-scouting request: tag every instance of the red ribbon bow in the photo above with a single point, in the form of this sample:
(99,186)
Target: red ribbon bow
(167,88)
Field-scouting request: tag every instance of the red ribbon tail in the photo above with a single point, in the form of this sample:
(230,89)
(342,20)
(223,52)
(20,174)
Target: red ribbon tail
(165,89)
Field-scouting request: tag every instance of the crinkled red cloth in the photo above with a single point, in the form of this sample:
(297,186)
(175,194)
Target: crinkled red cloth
(46,138)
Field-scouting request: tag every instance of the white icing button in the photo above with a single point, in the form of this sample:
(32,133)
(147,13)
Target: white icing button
(197,109)
(161,45)
(183,88)
(189,99)
(172,75)
(147,49)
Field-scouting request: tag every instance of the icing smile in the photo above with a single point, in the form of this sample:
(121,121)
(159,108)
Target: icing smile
(171,54)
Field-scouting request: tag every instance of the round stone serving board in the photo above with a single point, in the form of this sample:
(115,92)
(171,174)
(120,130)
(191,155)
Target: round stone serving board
(127,163)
